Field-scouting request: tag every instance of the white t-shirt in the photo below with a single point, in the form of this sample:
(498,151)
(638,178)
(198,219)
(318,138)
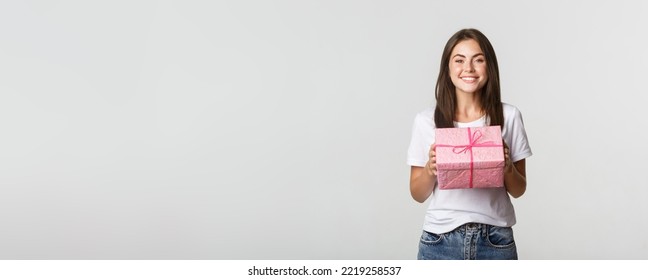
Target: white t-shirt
(449,209)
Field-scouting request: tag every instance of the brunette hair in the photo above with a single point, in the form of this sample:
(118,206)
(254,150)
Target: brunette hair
(446,99)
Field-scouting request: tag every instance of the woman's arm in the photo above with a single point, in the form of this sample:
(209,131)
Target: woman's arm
(514,175)
(422,178)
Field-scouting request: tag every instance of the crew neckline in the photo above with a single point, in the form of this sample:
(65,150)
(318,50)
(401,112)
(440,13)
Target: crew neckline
(478,122)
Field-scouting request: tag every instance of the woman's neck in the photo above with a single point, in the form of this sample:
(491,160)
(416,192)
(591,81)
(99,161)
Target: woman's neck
(468,107)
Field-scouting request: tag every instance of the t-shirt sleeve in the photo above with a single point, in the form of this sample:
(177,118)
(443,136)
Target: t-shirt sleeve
(517,138)
(422,137)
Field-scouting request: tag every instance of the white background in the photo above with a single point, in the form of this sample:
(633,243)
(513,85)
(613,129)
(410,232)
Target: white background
(279,129)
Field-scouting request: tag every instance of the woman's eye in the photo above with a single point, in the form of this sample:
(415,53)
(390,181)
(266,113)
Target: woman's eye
(459,61)
(480,60)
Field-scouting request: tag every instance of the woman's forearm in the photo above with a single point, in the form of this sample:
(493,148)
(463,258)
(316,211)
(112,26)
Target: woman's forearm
(421,183)
(515,179)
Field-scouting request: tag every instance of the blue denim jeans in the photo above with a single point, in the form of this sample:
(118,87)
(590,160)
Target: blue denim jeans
(471,241)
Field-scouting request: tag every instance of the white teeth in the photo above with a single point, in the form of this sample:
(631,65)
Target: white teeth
(468,79)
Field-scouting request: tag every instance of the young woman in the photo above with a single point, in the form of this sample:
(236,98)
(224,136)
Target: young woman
(468,223)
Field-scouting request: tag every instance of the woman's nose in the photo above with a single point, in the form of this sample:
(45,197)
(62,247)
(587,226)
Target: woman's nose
(468,67)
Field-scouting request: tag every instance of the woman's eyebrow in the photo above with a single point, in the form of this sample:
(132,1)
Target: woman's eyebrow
(461,55)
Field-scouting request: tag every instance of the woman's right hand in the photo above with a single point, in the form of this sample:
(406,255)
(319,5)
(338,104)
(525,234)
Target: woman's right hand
(430,167)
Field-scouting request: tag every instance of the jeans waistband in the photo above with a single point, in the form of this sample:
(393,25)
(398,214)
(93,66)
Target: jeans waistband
(472,227)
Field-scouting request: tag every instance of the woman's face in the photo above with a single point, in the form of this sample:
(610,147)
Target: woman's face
(468,67)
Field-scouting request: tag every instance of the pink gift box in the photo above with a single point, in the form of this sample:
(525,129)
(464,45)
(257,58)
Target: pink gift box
(469,157)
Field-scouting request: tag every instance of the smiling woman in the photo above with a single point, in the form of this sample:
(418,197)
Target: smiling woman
(468,223)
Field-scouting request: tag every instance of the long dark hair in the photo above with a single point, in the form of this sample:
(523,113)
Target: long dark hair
(446,99)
